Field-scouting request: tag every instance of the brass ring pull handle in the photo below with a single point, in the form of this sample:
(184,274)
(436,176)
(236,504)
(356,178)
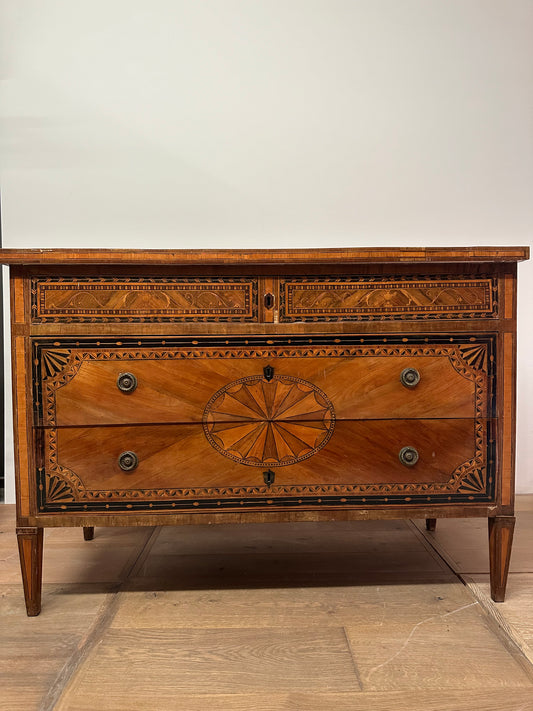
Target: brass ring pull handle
(126,382)
(408,456)
(410,377)
(128,461)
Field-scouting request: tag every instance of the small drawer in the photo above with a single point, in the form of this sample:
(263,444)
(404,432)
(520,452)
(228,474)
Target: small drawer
(369,298)
(101,300)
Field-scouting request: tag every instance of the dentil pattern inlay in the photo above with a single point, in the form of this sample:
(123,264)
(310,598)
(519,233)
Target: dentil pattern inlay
(368,298)
(141,299)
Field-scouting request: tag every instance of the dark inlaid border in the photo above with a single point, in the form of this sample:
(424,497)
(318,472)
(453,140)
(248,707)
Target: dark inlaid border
(474,481)
(110,300)
(386,298)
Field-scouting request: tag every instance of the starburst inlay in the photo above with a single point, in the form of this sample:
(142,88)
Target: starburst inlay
(276,423)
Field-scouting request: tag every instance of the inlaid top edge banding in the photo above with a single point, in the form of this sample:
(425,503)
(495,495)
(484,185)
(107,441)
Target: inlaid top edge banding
(355,255)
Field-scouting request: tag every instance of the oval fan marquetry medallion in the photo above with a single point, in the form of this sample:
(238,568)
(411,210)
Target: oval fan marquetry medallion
(276,423)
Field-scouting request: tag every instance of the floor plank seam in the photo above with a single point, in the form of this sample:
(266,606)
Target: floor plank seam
(354,661)
(431,544)
(96,661)
(506,632)
(94,635)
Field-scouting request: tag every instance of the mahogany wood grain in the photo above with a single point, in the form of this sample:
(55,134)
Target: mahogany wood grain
(179,456)
(501,529)
(352,298)
(30,545)
(171,389)
(273,514)
(353,255)
(198,328)
(163,299)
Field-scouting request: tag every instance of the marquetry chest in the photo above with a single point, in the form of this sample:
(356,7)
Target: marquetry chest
(170,387)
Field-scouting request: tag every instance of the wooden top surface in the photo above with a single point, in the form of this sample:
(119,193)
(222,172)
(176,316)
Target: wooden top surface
(343,255)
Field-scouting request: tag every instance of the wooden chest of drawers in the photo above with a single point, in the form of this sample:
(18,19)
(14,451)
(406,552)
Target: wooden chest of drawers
(158,387)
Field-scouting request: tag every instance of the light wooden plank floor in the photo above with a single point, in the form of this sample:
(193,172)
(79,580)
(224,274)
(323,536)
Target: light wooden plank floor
(462,543)
(300,617)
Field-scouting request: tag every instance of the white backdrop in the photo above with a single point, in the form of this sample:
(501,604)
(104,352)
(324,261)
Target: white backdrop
(267,123)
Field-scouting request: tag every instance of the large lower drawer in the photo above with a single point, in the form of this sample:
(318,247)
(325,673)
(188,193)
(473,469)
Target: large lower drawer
(190,465)
(102,383)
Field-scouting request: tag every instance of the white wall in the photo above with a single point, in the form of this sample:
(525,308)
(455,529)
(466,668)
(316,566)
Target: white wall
(183,123)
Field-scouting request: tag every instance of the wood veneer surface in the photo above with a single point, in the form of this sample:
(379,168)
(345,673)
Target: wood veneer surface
(251,256)
(171,390)
(455,308)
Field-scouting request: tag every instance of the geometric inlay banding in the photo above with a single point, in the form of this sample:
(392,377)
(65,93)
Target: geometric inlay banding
(268,423)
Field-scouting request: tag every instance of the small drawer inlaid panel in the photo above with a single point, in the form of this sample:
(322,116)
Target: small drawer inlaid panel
(144,299)
(368,298)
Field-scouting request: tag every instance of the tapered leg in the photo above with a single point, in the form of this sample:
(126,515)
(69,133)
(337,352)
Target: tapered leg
(30,542)
(500,542)
(431,524)
(88,533)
